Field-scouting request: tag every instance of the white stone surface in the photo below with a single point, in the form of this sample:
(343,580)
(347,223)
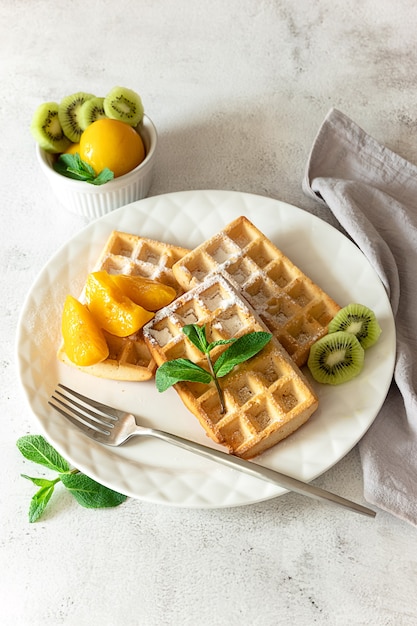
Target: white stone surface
(237,90)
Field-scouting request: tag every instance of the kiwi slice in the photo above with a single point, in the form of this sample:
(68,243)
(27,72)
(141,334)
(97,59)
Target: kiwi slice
(124,105)
(336,358)
(91,111)
(358,320)
(47,130)
(68,112)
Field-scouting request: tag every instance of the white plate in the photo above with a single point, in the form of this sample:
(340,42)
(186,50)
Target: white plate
(157,472)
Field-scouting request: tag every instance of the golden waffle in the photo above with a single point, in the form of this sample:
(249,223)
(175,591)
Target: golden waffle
(267,398)
(293,307)
(129,357)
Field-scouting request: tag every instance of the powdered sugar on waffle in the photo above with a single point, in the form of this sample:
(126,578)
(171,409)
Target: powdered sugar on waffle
(267,397)
(295,310)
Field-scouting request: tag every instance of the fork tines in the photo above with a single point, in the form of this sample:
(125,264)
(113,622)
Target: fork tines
(88,413)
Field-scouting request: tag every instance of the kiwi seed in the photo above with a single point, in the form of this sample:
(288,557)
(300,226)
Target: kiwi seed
(47,130)
(124,105)
(91,111)
(359,320)
(68,113)
(336,358)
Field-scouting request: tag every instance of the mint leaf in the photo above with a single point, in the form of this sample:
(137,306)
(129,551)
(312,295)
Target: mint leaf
(41,482)
(89,493)
(40,500)
(241,350)
(86,491)
(42,496)
(219,342)
(71,160)
(35,448)
(177,370)
(103,177)
(197,335)
(72,166)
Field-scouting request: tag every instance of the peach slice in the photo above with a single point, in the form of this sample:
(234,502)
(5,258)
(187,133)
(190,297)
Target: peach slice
(111,308)
(84,341)
(148,293)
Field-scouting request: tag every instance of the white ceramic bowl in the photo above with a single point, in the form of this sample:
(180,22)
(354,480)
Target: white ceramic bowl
(93,201)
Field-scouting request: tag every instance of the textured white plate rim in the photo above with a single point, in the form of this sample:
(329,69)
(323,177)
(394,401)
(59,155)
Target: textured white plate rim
(148,470)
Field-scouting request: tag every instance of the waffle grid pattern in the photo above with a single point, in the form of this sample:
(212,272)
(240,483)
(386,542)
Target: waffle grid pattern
(267,398)
(293,307)
(129,357)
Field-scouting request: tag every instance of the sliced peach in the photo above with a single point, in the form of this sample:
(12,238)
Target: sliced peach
(84,341)
(73,148)
(112,310)
(146,292)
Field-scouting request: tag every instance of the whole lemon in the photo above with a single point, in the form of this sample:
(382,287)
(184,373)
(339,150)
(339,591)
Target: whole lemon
(113,144)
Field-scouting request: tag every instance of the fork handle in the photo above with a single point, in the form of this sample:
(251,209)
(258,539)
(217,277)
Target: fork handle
(258,471)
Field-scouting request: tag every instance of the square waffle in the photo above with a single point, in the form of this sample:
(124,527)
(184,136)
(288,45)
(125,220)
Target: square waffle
(267,397)
(129,357)
(294,309)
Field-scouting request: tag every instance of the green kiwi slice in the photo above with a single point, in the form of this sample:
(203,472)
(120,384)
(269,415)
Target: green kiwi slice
(124,105)
(46,128)
(91,111)
(359,320)
(336,358)
(68,112)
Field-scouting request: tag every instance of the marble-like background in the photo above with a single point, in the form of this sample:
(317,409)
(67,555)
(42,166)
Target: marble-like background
(238,90)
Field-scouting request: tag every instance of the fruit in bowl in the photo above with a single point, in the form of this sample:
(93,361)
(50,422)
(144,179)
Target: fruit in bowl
(108,142)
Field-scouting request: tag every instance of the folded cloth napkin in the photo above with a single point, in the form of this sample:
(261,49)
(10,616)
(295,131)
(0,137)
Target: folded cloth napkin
(373,194)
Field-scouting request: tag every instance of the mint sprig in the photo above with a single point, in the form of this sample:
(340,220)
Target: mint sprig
(85,490)
(73,166)
(240,350)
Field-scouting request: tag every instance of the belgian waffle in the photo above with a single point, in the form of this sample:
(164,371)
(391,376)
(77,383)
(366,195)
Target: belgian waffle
(129,357)
(293,307)
(267,398)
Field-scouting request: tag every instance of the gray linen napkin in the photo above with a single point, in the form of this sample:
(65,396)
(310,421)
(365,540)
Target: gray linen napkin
(373,194)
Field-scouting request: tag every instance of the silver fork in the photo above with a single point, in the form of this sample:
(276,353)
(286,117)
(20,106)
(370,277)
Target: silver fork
(112,427)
